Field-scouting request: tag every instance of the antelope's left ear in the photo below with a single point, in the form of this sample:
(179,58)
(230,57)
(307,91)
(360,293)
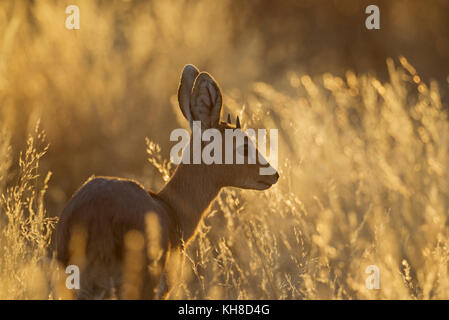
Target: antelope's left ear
(206,101)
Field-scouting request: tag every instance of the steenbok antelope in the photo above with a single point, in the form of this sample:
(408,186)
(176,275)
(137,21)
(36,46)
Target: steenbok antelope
(126,233)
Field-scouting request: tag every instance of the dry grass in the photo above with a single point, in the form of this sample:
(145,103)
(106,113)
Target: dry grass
(364,164)
(364,181)
(25,229)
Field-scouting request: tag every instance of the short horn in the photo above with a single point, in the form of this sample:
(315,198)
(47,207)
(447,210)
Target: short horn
(237,122)
(229,119)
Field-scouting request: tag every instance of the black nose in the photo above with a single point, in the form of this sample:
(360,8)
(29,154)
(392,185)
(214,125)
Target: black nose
(276,176)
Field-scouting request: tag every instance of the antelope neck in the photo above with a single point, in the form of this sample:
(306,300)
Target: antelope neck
(189,193)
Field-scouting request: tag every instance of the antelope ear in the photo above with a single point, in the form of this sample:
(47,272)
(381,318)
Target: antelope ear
(188,76)
(206,101)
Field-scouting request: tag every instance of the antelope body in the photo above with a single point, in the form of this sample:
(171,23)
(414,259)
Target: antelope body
(107,209)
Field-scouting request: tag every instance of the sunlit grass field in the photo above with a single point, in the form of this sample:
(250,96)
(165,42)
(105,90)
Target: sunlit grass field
(363,162)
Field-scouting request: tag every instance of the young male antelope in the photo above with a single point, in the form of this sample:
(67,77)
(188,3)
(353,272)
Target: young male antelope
(107,210)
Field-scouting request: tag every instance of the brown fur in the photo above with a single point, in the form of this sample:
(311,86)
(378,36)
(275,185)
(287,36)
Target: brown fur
(108,208)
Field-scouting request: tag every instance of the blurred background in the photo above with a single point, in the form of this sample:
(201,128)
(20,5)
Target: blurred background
(101,89)
(362,116)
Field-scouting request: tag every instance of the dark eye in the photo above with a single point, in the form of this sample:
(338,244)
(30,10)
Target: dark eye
(243,150)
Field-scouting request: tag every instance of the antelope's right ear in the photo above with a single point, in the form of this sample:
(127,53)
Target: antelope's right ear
(188,77)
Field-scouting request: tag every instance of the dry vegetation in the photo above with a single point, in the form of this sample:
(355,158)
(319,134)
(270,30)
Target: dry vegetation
(363,163)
